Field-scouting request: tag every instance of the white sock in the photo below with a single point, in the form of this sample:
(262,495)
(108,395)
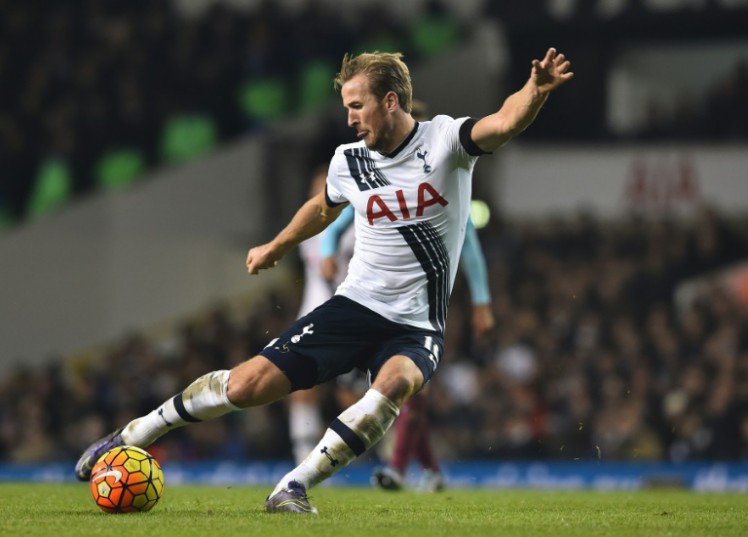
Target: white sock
(304,428)
(357,429)
(204,399)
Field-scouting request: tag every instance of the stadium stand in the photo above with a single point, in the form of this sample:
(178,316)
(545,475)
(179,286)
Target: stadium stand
(170,88)
(109,81)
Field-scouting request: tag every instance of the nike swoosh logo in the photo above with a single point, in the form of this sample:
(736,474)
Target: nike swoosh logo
(116,473)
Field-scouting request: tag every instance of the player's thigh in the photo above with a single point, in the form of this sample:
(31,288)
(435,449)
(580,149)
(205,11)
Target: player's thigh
(330,341)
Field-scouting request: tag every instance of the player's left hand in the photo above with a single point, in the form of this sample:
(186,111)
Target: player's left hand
(262,257)
(550,72)
(329,268)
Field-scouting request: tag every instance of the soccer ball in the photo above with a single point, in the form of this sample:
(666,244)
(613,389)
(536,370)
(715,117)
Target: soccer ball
(126,479)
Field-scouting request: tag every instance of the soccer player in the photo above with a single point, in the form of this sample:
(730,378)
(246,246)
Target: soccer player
(410,185)
(323,256)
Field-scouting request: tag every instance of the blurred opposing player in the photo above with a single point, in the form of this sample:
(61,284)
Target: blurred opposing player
(410,185)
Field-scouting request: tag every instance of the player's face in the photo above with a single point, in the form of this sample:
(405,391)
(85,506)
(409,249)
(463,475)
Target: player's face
(367,114)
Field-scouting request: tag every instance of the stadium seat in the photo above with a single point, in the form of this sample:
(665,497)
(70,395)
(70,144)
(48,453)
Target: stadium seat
(53,187)
(119,168)
(263,100)
(434,35)
(187,136)
(315,85)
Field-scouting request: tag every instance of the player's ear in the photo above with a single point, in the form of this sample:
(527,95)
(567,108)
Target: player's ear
(391,101)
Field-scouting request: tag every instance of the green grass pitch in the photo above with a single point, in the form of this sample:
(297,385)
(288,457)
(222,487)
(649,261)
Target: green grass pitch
(68,510)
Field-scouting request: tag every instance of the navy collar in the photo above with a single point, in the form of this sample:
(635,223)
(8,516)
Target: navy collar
(404,143)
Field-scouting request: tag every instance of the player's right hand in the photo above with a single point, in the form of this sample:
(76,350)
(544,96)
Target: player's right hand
(262,257)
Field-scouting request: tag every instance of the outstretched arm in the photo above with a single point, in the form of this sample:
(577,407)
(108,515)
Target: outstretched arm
(520,109)
(314,216)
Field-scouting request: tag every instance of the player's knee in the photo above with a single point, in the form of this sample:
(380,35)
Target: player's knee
(257,382)
(398,380)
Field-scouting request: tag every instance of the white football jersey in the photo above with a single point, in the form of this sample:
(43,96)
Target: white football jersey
(412,208)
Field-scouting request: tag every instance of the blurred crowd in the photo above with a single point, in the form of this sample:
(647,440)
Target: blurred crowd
(592,358)
(81,78)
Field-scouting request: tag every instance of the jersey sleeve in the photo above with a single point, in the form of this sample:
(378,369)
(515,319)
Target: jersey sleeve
(456,134)
(466,138)
(474,265)
(331,237)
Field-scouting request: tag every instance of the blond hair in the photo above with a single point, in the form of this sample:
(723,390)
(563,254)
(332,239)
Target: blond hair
(386,72)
